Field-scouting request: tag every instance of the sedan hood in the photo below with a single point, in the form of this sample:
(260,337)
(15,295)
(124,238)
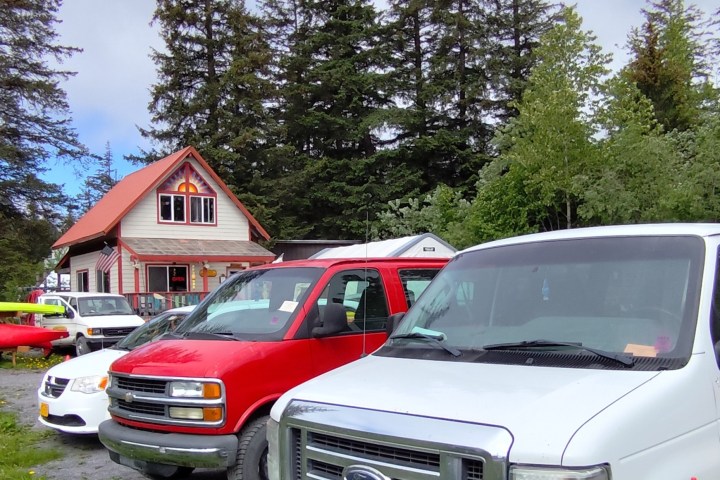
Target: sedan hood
(94,363)
(525,400)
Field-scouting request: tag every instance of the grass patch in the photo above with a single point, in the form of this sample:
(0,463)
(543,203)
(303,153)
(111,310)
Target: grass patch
(30,361)
(18,449)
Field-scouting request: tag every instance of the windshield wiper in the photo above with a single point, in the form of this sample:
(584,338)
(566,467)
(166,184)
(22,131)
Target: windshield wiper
(435,340)
(618,357)
(210,336)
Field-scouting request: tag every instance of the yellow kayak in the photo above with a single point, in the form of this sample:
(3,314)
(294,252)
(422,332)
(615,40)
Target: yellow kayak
(30,308)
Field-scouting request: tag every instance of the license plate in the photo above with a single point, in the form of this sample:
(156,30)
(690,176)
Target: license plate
(44,410)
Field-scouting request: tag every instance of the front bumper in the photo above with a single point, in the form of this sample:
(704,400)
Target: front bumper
(74,412)
(142,450)
(97,343)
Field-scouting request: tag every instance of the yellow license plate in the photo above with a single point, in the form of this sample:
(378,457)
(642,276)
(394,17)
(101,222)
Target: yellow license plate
(44,410)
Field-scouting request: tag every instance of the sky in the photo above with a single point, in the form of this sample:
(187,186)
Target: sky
(109,95)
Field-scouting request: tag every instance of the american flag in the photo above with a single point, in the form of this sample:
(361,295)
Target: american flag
(108,257)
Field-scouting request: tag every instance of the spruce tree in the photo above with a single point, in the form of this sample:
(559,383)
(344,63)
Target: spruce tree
(670,62)
(99,183)
(329,81)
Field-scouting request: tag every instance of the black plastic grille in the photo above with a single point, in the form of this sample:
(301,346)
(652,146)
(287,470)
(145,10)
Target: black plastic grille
(54,386)
(140,384)
(472,469)
(325,470)
(117,331)
(143,408)
(401,456)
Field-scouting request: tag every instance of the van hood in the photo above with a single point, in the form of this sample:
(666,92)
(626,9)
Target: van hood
(107,321)
(94,363)
(194,358)
(525,400)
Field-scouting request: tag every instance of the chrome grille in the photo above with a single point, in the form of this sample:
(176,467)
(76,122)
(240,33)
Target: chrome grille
(54,386)
(147,399)
(321,441)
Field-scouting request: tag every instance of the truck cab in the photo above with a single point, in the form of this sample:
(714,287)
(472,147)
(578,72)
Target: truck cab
(585,354)
(201,397)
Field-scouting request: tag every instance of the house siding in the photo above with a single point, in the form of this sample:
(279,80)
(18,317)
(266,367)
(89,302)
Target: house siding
(142,221)
(88,262)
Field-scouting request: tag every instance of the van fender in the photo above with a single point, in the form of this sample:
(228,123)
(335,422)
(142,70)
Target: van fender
(260,407)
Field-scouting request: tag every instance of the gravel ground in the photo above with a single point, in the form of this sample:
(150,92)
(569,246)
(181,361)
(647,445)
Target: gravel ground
(84,457)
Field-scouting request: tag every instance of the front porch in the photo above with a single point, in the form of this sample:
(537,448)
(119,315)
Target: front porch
(150,304)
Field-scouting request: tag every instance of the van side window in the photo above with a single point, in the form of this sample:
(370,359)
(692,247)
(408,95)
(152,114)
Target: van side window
(415,281)
(362,294)
(715,313)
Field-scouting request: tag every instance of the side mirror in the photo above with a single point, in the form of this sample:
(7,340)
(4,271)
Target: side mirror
(393,322)
(69,313)
(334,320)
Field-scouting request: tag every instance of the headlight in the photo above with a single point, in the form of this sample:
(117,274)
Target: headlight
(195,390)
(94,331)
(94,384)
(273,460)
(521,472)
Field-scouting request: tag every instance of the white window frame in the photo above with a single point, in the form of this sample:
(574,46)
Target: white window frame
(207,212)
(172,207)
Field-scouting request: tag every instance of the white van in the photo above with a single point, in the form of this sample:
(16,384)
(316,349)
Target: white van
(92,320)
(580,354)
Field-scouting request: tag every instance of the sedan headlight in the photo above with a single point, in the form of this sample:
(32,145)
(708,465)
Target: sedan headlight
(522,472)
(93,384)
(191,389)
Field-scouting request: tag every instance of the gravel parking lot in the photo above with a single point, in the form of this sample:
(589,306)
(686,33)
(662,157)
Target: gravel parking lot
(84,457)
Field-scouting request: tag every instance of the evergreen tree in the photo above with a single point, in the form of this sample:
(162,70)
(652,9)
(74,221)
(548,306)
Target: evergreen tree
(34,118)
(517,26)
(98,184)
(34,129)
(329,83)
(670,62)
(211,86)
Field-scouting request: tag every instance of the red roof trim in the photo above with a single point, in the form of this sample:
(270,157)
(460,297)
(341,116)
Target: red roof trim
(201,258)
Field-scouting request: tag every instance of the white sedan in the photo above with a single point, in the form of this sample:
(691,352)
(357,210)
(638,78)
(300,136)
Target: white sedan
(72,395)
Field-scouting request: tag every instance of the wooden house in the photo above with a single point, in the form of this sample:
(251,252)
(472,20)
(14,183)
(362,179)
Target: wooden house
(164,236)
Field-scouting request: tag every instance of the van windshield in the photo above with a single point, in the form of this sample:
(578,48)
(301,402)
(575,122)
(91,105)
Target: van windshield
(580,303)
(100,306)
(252,305)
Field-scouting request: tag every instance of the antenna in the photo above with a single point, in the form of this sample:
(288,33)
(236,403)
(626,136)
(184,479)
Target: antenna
(367,284)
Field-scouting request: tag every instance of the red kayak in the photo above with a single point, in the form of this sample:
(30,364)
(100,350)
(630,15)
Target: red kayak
(13,336)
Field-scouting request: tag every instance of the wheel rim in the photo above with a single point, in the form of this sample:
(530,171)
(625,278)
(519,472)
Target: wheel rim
(81,348)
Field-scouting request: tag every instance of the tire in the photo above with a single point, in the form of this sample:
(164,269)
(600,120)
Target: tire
(82,346)
(180,472)
(251,462)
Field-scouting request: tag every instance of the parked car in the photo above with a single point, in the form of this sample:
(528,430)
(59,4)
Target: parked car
(72,397)
(584,354)
(202,399)
(93,320)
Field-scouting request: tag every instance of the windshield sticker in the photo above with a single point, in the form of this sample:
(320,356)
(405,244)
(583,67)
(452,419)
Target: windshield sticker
(641,350)
(288,306)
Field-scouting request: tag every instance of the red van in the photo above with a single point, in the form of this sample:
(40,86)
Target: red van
(202,397)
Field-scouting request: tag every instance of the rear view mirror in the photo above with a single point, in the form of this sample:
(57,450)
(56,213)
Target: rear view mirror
(334,320)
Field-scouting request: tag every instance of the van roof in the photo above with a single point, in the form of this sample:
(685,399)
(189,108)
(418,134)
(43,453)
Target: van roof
(80,294)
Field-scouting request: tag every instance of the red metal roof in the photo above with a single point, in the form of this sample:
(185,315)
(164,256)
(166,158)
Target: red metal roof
(106,214)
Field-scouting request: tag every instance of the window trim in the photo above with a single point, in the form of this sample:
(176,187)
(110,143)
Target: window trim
(85,273)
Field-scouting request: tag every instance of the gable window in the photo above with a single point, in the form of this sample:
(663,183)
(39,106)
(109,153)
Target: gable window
(202,210)
(172,208)
(186,197)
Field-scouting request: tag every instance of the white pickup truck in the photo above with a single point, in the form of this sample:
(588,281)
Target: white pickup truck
(580,354)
